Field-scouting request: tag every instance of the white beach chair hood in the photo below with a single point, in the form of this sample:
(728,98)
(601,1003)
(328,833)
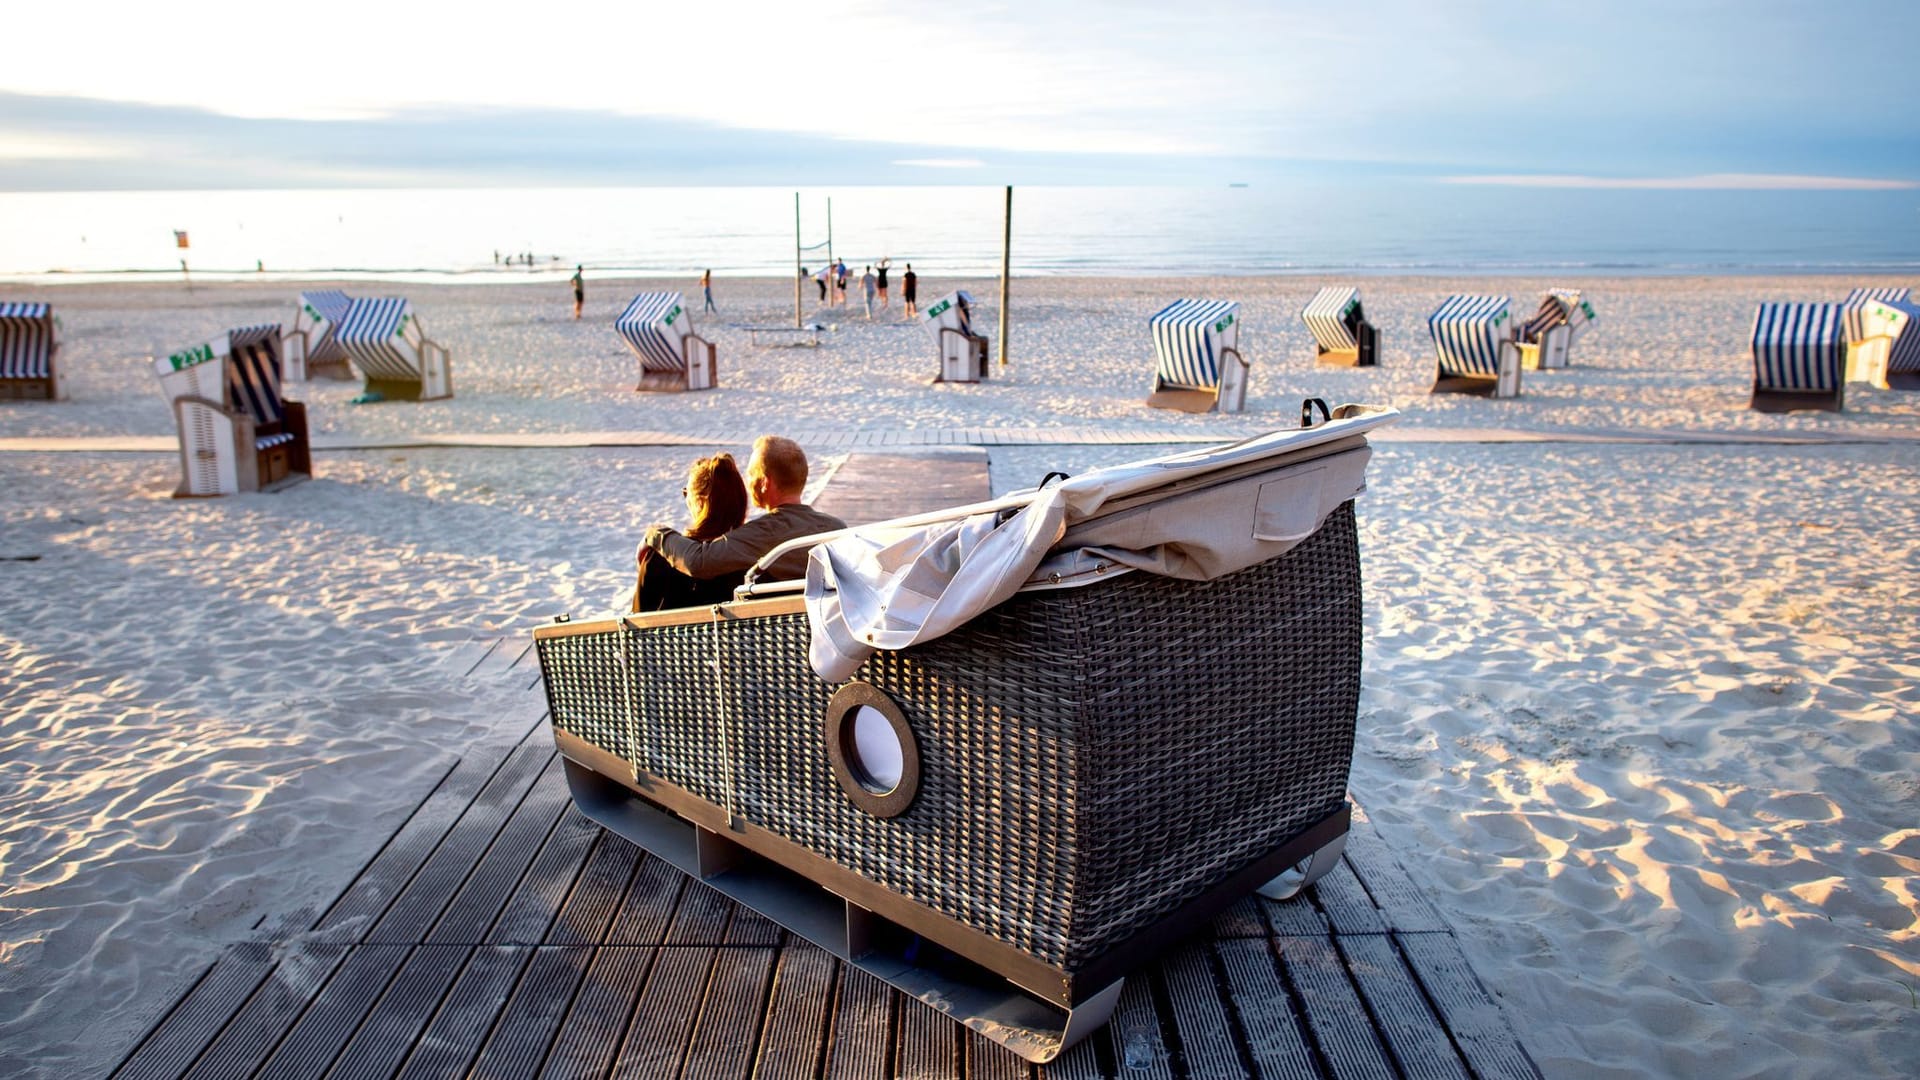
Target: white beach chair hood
(894,584)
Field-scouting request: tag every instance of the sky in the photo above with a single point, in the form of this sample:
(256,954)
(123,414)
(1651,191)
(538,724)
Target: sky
(1627,93)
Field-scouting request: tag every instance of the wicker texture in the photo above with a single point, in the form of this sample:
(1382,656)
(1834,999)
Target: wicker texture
(1091,758)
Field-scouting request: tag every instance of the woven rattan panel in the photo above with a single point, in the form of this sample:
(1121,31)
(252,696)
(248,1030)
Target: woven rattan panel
(1090,758)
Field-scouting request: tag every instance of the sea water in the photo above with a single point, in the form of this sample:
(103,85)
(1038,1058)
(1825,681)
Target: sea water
(1391,225)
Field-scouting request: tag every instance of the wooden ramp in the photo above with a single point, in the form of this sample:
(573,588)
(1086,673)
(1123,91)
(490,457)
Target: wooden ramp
(501,934)
(873,486)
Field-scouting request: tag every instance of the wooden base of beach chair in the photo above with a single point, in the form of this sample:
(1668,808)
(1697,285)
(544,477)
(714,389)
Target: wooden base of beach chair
(1365,353)
(1466,384)
(52,388)
(963,357)
(1190,401)
(220,452)
(1779,401)
(402,390)
(1031,1008)
(1338,358)
(1903,380)
(336,370)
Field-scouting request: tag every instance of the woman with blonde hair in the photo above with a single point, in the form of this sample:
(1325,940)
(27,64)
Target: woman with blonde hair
(716,505)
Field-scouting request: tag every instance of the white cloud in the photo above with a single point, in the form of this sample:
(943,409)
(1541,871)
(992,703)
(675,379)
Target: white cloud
(943,163)
(1708,182)
(36,146)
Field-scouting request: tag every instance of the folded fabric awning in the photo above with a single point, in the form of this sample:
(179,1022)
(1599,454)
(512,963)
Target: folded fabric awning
(893,584)
(648,328)
(26,341)
(1466,332)
(1187,340)
(371,332)
(1326,318)
(1799,346)
(1889,294)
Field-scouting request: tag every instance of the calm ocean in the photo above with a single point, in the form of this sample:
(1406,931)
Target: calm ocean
(1371,226)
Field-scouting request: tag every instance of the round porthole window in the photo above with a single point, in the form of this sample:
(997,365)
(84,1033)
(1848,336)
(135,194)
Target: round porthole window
(872,749)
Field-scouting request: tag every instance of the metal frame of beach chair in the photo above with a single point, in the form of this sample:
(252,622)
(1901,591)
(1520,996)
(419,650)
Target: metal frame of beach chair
(386,343)
(1473,339)
(1799,357)
(1876,323)
(310,348)
(1005,821)
(1342,335)
(658,328)
(29,344)
(1198,366)
(238,432)
(963,353)
(1546,340)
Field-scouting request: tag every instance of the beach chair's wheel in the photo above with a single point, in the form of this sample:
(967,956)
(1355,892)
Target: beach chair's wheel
(1305,872)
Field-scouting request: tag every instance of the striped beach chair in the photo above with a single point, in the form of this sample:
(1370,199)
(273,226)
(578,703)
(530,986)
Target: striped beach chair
(1474,339)
(310,347)
(385,341)
(238,432)
(1341,333)
(1876,326)
(27,348)
(659,330)
(1197,361)
(1546,340)
(963,353)
(1799,357)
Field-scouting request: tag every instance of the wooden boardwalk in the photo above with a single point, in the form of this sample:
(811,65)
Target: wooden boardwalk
(500,934)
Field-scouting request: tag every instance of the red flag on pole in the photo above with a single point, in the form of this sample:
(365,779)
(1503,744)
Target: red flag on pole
(179,238)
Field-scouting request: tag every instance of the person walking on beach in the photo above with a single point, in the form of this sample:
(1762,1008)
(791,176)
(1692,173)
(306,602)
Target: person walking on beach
(776,479)
(839,283)
(882,284)
(579,290)
(866,290)
(706,288)
(909,291)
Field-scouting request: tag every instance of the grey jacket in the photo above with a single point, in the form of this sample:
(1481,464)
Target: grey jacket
(741,548)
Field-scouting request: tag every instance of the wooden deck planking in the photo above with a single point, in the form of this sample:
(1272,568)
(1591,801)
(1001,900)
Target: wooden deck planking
(426,964)
(872,485)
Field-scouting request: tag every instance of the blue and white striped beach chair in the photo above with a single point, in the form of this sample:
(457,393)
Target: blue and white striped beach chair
(238,432)
(963,353)
(27,348)
(659,329)
(1197,361)
(1876,327)
(1474,338)
(1799,357)
(385,341)
(1546,340)
(1341,332)
(311,348)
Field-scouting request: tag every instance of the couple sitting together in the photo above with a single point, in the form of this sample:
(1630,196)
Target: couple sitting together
(707,562)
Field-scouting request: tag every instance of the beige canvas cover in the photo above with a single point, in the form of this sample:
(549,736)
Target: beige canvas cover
(1196,515)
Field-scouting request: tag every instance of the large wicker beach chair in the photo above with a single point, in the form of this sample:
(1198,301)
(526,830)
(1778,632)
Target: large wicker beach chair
(659,330)
(1342,335)
(311,348)
(1876,323)
(237,431)
(1546,340)
(1474,339)
(963,353)
(28,367)
(386,342)
(1197,362)
(1799,357)
(1003,755)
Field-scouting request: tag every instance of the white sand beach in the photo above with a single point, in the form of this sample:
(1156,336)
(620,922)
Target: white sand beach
(1639,706)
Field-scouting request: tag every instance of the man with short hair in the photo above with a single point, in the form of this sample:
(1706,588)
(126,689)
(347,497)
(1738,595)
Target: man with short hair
(776,480)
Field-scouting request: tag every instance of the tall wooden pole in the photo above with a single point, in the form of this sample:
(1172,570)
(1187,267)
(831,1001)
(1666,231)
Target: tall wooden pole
(796,260)
(1006,263)
(829,245)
